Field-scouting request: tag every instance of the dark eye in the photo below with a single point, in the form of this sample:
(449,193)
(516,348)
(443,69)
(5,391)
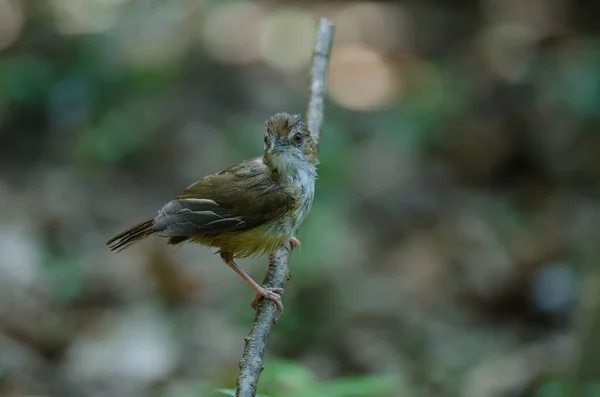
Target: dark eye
(298,138)
(266,140)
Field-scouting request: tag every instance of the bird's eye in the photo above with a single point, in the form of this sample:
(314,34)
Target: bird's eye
(298,138)
(266,140)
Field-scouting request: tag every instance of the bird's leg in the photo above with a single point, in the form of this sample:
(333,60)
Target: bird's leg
(295,242)
(273,294)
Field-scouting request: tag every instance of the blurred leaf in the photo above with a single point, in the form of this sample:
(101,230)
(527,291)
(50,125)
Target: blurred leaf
(231,392)
(365,386)
(290,379)
(592,389)
(225,392)
(553,388)
(283,377)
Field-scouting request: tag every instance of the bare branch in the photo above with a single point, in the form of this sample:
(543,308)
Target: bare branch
(251,364)
(318,85)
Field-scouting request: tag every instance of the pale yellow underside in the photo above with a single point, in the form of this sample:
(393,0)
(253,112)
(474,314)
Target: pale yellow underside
(264,239)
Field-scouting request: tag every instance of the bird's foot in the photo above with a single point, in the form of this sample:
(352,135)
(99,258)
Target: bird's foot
(273,294)
(295,242)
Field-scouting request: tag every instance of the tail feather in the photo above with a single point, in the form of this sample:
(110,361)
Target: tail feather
(131,236)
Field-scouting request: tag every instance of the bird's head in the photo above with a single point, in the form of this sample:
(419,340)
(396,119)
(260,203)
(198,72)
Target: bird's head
(288,144)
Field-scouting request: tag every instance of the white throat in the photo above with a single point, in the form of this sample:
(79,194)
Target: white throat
(300,173)
(294,167)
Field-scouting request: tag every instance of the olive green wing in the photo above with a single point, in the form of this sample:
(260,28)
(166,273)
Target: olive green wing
(238,198)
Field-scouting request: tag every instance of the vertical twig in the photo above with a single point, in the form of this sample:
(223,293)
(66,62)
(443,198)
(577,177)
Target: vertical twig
(251,364)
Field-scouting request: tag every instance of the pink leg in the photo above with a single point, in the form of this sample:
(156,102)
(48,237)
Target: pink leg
(273,294)
(295,242)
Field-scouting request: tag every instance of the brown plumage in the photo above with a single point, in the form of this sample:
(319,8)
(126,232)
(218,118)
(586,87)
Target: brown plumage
(132,235)
(251,208)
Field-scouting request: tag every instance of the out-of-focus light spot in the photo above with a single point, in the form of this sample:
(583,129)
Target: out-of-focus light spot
(286,39)
(382,27)
(360,79)
(154,36)
(554,288)
(136,346)
(507,50)
(21,263)
(85,16)
(11,22)
(541,16)
(231,30)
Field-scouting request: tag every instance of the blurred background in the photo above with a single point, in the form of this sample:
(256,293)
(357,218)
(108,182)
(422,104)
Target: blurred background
(453,246)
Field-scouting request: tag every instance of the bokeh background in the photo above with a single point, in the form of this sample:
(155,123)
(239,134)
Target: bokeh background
(453,246)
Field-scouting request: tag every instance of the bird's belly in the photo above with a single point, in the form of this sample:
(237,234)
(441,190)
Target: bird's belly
(266,238)
(263,239)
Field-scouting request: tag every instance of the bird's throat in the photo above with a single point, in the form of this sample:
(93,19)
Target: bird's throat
(292,167)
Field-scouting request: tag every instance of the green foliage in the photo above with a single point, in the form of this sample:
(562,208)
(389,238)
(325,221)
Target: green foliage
(557,387)
(224,392)
(364,386)
(116,136)
(283,378)
(24,80)
(230,392)
(554,388)
(592,389)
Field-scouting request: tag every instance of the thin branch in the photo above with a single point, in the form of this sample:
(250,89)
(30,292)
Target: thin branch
(318,85)
(251,364)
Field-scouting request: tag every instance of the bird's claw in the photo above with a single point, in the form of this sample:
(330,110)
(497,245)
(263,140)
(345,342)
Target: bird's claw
(273,294)
(295,242)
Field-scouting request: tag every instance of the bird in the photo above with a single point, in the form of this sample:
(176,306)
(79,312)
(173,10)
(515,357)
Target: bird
(246,210)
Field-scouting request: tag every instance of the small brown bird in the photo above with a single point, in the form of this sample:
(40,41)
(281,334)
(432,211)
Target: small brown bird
(249,209)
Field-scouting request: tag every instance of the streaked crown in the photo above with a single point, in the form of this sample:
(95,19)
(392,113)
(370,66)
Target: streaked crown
(289,130)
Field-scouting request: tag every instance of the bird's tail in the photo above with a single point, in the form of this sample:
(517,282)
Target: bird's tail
(131,236)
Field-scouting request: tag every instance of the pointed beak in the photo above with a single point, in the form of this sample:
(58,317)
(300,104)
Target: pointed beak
(278,146)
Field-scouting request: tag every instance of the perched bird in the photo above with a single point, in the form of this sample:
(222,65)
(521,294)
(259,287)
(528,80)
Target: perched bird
(249,209)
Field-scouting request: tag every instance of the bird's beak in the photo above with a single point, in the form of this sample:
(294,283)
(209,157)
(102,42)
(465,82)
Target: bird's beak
(278,146)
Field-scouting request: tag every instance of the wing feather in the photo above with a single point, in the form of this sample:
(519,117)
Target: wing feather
(238,198)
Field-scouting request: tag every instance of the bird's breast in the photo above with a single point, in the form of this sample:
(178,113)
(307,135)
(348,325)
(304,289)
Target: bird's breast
(304,183)
(299,184)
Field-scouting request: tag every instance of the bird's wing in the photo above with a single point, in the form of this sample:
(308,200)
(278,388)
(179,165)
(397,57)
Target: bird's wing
(238,198)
